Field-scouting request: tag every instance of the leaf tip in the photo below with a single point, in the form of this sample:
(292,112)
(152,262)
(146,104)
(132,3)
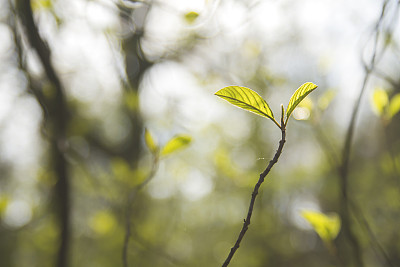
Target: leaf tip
(298,96)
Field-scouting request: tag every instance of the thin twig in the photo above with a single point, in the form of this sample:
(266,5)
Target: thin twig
(254,195)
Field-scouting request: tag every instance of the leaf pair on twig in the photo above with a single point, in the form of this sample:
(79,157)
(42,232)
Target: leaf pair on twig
(249,100)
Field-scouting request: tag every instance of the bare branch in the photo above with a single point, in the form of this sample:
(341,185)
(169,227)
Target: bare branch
(254,195)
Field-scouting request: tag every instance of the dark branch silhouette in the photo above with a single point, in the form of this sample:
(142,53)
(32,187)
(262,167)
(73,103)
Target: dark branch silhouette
(56,107)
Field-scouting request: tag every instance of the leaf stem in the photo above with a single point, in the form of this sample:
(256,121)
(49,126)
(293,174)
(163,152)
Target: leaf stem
(254,195)
(280,126)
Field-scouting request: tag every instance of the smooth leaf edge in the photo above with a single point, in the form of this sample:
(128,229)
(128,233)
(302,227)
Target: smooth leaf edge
(249,110)
(290,110)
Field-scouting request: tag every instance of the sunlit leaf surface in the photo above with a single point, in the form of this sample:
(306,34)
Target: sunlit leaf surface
(327,226)
(176,143)
(247,99)
(298,96)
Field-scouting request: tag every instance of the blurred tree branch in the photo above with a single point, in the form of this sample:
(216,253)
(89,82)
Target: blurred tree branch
(136,64)
(57,109)
(346,203)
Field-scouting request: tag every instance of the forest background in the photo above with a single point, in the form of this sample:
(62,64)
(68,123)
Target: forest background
(114,150)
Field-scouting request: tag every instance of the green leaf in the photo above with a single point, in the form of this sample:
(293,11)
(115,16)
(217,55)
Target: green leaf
(150,142)
(176,143)
(380,100)
(326,226)
(247,99)
(298,96)
(394,105)
(191,16)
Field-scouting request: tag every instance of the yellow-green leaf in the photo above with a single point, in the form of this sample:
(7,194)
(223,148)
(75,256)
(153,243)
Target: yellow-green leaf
(327,226)
(191,16)
(298,96)
(394,105)
(176,143)
(380,100)
(150,142)
(247,99)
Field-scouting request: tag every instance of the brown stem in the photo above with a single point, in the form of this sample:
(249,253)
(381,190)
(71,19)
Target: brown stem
(254,195)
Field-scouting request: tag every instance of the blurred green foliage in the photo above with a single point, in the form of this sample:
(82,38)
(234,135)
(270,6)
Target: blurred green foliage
(131,65)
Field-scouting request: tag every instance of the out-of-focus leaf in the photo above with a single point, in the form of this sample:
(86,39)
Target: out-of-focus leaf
(327,226)
(224,162)
(394,105)
(176,143)
(298,96)
(325,100)
(150,142)
(102,222)
(42,4)
(3,204)
(120,169)
(48,230)
(380,100)
(191,17)
(138,177)
(131,99)
(247,99)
